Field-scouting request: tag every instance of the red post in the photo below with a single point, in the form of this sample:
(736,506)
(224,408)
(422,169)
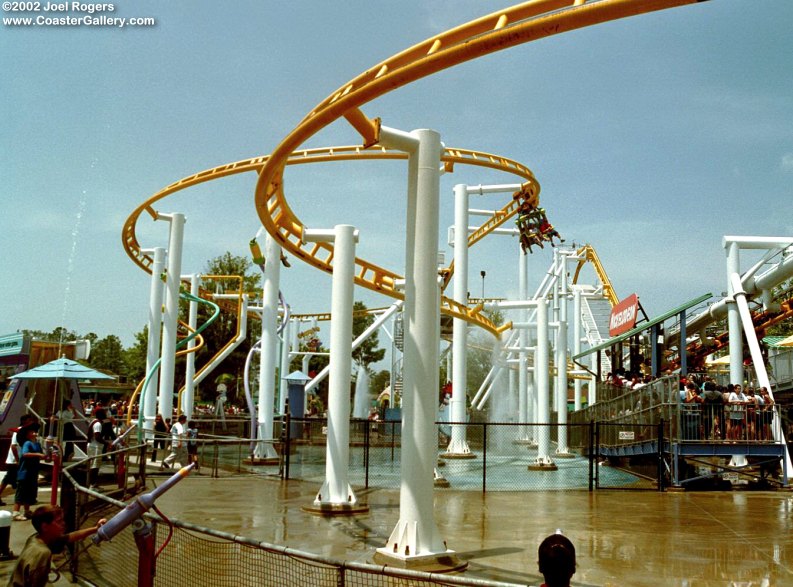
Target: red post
(56,473)
(144,539)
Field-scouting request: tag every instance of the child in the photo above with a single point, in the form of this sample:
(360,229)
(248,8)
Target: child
(192,445)
(33,566)
(28,472)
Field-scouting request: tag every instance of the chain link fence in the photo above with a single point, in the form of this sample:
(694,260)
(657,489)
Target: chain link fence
(499,459)
(159,552)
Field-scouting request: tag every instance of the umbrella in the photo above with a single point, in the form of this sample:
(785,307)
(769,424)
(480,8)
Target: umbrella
(61,369)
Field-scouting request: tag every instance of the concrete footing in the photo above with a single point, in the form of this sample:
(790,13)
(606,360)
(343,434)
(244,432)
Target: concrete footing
(543,467)
(446,562)
(457,455)
(335,509)
(258,462)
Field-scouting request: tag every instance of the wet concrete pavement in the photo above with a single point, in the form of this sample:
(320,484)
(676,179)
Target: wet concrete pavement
(641,538)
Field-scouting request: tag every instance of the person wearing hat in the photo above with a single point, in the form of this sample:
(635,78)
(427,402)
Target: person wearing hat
(556,560)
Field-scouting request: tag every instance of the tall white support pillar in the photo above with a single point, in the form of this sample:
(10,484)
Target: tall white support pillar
(562,450)
(523,343)
(416,539)
(543,461)
(192,321)
(171,316)
(336,494)
(577,343)
(267,362)
(153,343)
(286,339)
(531,396)
(555,319)
(757,356)
(733,316)
(513,398)
(458,445)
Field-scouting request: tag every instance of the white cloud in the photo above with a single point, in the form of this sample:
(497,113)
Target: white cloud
(787,162)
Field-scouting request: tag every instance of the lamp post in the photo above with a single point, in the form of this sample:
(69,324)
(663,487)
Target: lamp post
(483,273)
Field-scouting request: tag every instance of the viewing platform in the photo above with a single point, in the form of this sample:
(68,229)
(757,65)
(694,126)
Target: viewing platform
(692,441)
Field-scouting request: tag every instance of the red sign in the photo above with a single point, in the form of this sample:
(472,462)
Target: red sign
(623,315)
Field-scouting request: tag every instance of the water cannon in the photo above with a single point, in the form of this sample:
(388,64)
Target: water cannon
(137,507)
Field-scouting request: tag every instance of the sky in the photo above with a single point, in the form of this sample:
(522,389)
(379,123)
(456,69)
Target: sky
(651,138)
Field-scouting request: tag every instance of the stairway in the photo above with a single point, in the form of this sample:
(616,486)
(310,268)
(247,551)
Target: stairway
(595,314)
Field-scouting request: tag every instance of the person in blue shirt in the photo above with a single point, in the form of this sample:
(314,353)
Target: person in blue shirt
(28,471)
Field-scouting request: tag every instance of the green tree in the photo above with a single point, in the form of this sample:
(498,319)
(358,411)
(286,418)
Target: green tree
(379,381)
(368,352)
(224,328)
(135,356)
(59,334)
(108,354)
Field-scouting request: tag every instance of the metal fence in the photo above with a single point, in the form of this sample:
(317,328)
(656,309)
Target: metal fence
(157,551)
(500,459)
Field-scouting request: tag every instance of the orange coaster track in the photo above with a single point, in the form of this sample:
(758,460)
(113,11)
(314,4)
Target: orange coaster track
(513,26)
(320,255)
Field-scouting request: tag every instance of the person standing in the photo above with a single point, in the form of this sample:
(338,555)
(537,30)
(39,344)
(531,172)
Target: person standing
(66,417)
(738,402)
(160,432)
(12,458)
(192,443)
(28,472)
(96,446)
(178,445)
(35,560)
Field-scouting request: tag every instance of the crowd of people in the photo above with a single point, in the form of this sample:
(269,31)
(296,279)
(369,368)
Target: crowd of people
(731,413)
(709,411)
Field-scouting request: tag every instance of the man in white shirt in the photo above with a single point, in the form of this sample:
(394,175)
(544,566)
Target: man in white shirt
(178,445)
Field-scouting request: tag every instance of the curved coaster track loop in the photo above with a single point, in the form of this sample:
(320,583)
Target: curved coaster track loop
(513,26)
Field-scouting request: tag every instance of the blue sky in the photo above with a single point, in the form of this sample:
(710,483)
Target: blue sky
(651,137)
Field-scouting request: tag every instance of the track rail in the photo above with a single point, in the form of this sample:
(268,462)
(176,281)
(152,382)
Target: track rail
(500,30)
(320,255)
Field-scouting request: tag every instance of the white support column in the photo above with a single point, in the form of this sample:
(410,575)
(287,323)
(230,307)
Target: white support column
(286,338)
(757,355)
(267,363)
(577,343)
(458,445)
(153,342)
(523,342)
(555,337)
(562,450)
(543,461)
(531,396)
(336,494)
(733,317)
(416,539)
(513,399)
(192,321)
(171,317)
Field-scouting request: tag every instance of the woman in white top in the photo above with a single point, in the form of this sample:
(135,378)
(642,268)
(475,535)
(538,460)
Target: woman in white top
(738,402)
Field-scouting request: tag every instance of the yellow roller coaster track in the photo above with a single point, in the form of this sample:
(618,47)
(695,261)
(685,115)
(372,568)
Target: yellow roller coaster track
(508,28)
(320,255)
(591,256)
